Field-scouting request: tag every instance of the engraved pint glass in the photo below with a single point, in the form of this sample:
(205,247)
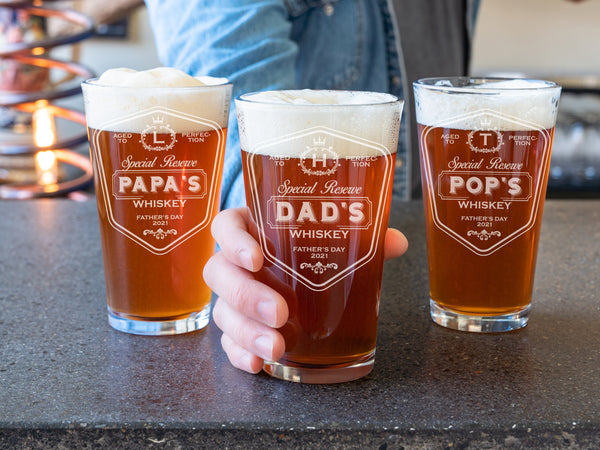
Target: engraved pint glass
(157,142)
(318,170)
(485,152)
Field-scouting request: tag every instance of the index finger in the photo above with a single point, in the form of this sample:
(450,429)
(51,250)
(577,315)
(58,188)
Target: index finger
(235,232)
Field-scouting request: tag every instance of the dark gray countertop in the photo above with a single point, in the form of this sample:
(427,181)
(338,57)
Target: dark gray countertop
(67,378)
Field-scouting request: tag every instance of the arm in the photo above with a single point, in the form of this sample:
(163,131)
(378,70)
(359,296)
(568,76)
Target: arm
(249,43)
(243,40)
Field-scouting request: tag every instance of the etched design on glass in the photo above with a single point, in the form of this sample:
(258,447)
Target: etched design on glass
(343,212)
(319,158)
(318,267)
(150,138)
(160,233)
(483,235)
(492,186)
(160,180)
(491,139)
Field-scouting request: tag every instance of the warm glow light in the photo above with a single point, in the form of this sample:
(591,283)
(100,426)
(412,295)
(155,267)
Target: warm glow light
(46,167)
(45,160)
(44,134)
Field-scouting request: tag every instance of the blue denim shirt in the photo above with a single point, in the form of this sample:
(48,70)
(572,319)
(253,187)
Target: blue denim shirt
(283,44)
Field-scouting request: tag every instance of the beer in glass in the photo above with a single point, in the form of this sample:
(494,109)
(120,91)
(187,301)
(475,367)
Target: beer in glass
(485,153)
(318,170)
(157,141)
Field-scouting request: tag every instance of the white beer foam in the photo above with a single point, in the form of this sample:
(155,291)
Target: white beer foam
(113,100)
(528,102)
(283,123)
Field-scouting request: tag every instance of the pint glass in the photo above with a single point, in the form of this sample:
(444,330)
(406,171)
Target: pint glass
(485,152)
(318,170)
(157,141)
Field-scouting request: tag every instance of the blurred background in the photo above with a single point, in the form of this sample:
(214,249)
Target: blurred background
(556,40)
(551,39)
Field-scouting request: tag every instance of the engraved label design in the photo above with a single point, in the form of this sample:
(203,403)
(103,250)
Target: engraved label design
(483,235)
(319,267)
(489,196)
(315,209)
(490,140)
(150,136)
(160,233)
(319,158)
(159,185)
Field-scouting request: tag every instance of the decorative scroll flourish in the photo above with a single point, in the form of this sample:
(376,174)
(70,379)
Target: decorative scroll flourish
(483,235)
(318,267)
(160,233)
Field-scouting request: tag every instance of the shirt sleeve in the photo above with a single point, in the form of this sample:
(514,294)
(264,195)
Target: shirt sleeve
(246,41)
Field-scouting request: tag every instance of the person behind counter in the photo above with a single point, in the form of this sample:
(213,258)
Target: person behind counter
(364,45)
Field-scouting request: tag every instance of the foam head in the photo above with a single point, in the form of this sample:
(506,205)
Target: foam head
(449,102)
(122,93)
(278,116)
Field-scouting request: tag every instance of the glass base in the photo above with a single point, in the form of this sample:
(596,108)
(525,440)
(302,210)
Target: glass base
(321,375)
(478,324)
(195,321)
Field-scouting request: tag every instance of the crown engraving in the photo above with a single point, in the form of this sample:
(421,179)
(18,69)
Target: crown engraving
(319,142)
(158,136)
(158,120)
(485,122)
(318,157)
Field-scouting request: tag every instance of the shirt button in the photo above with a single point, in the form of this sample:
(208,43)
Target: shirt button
(328,9)
(396,80)
(399,163)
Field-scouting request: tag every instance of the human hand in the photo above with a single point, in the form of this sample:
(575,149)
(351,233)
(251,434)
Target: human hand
(247,310)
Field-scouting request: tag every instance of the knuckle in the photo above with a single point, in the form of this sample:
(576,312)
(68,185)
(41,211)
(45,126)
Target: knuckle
(241,296)
(241,336)
(218,222)
(217,313)
(214,226)
(226,343)
(208,271)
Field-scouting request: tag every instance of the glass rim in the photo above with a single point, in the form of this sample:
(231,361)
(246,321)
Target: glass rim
(92,82)
(477,85)
(247,99)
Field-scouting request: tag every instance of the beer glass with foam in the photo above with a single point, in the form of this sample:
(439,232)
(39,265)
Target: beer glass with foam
(157,140)
(318,169)
(485,153)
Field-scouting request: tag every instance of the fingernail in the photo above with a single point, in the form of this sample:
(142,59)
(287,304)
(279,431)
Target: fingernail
(264,345)
(246,362)
(266,311)
(245,259)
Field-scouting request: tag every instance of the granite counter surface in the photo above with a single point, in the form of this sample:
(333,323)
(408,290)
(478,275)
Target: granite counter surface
(68,380)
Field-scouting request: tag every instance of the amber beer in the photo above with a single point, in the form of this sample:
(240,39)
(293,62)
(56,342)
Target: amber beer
(157,154)
(318,182)
(485,154)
